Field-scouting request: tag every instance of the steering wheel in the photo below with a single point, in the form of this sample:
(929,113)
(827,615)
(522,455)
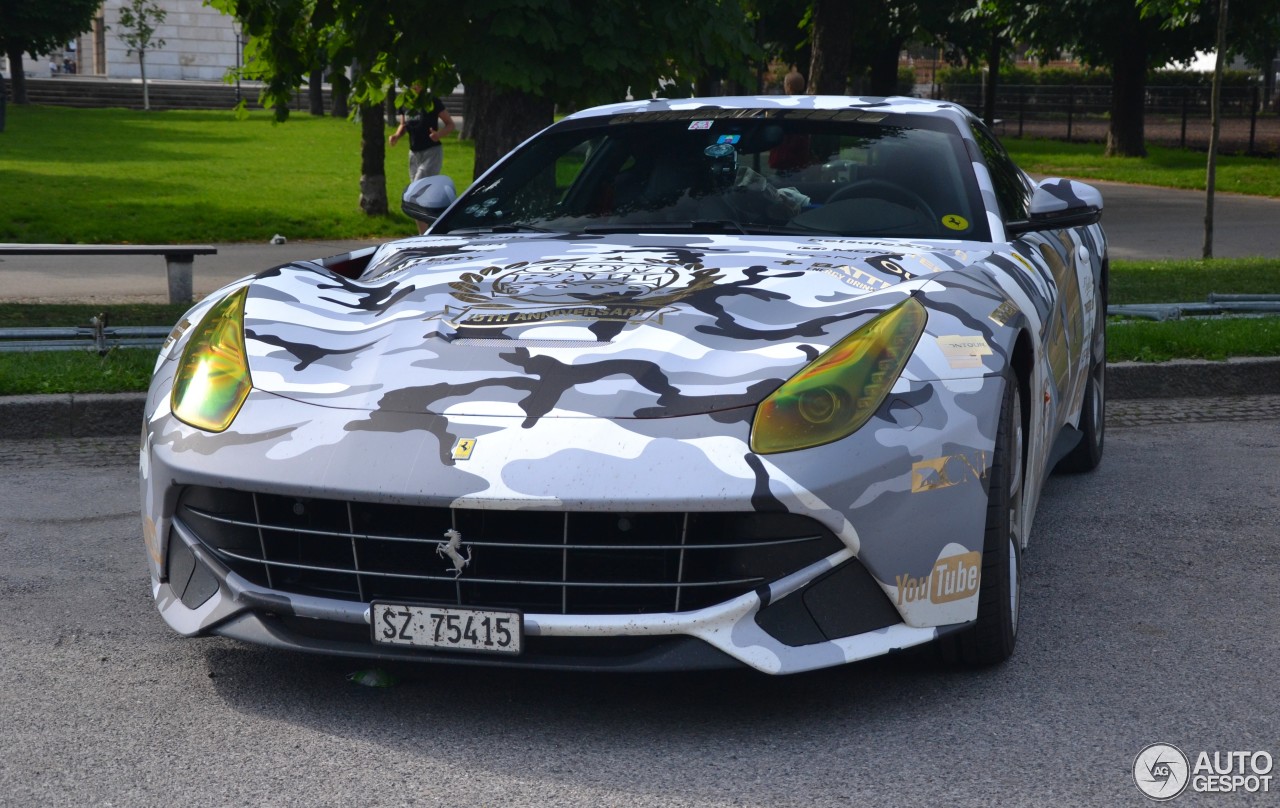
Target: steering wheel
(888,191)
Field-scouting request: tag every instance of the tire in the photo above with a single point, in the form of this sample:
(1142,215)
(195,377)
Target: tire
(990,640)
(1087,454)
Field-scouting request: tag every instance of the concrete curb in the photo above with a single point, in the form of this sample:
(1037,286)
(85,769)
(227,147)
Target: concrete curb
(77,415)
(114,414)
(1188,378)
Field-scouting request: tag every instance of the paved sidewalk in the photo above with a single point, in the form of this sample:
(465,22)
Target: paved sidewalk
(142,279)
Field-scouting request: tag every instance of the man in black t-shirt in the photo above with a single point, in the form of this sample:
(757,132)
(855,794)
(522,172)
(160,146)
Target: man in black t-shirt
(423,125)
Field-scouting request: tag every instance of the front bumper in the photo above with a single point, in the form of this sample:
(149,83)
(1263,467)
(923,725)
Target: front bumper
(729,634)
(901,496)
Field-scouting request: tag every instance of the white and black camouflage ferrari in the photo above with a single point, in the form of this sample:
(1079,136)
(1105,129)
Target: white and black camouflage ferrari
(762,381)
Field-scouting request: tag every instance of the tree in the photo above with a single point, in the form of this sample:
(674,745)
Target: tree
(518,58)
(139,20)
(781,30)
(289,39)
(866,38)
(1113,34)
(1253,32)
(982,33)
(832,46)
(1212,167)
(524,58)
(1250,24)
(40,26)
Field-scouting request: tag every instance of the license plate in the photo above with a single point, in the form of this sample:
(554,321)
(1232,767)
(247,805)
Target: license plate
(451,629)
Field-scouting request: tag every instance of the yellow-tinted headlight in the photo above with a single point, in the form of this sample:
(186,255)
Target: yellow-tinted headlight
(213,375)
(839,391)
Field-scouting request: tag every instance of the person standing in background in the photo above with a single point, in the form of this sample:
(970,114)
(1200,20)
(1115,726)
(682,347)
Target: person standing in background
(793,83)
(794,152)
(422,122)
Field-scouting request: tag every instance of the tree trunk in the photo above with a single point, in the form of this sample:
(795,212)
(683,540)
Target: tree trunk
(468,131)
(504,119)
(993,81)
(315,92)
(16,74)
(884,69)
(1212,167)
(341,86)
(373,158)
(142,67)
(832,47)
(1126,136)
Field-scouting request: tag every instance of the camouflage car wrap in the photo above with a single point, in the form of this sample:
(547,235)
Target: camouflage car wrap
(621,373)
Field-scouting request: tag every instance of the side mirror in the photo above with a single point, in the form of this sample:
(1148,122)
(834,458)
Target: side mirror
(427,198)
(1060,203)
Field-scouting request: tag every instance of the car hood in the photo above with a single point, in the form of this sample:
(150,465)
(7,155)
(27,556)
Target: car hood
(594,326)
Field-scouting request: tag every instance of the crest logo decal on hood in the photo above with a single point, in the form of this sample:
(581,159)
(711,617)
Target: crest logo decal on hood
(562,290)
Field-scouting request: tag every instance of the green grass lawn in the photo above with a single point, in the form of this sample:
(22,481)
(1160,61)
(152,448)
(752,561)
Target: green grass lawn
(1192,281)
(125,370)
(1164,167)
(186,176)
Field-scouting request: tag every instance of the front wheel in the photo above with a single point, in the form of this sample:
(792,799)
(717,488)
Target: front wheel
(1087,454)
(992,637)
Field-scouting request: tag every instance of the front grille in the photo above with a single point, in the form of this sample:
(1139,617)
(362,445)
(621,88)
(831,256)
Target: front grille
(552,562)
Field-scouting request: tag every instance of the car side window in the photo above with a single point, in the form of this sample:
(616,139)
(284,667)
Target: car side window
(1013,192)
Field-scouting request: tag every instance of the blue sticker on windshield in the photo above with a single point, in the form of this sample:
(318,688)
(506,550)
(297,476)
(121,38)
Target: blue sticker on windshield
(731,139)
(700,124)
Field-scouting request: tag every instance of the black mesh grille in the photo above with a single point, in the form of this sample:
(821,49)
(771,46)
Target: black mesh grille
(536,561)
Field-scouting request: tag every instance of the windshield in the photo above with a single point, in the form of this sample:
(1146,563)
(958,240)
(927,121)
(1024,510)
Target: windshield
(736,171)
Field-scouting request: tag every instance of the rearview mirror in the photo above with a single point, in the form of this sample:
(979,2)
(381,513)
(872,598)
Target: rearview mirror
(1060,203)
(427,198)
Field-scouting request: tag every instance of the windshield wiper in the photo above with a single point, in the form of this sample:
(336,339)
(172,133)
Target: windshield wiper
(695,226)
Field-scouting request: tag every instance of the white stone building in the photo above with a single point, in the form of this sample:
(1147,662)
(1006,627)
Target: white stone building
(200,44)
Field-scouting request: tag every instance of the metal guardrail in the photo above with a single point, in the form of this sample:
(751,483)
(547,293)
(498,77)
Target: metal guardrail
(1218,305)
(94,337)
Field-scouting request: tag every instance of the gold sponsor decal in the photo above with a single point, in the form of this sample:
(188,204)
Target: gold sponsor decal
(946,471)
(463,447)
(149,538)
(175,334)
(952,578)
(858,278)
(964,351)
(560,315)
(1003,313)
(929,265)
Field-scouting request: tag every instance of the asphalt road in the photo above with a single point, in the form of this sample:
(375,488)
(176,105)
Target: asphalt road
(1149,615)
(1157,223)
(1141,223)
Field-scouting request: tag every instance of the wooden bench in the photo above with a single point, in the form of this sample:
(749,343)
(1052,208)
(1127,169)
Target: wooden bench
(178,258)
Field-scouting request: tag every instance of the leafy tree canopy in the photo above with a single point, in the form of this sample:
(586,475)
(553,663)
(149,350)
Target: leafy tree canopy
(40,26)
(577,54)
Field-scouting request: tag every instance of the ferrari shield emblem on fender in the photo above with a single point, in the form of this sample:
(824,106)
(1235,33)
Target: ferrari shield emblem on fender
(463,447)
